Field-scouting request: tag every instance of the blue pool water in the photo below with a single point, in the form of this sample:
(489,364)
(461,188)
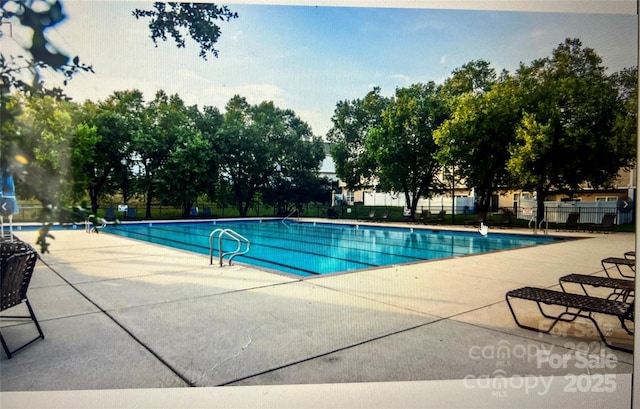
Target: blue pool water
(306,249)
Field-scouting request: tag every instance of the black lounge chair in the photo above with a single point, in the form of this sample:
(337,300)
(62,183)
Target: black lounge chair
(622,288)
(617,262)
(606,225)
(571,223)
(630,254)
(438,219)
(16,268)
(425,215)
(575,306)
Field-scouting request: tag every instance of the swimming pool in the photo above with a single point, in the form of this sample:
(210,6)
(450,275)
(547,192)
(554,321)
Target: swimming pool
(307,248)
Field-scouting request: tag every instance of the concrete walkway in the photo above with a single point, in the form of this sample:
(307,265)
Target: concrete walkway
(123,314)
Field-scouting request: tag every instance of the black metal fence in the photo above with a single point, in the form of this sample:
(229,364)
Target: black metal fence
(553,215)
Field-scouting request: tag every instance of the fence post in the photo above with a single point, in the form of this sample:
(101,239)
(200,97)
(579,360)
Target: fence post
(546,221)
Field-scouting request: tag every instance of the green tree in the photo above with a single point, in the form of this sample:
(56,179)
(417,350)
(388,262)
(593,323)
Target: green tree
(403,148)
(238,143)
(102,168)
(10,136)
(565,139)
(185,174)
(46,127)
(477,137)
(352,120)
(208,122)
(296,181)
(626,126)
(262,143)
(83,158)
(23,146)
(164,121)
(191,167)
(286,194)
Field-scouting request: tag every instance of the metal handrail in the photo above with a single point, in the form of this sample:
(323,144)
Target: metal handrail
(240,240)
(538,226)
(289,215)
(94,224)
(546,223)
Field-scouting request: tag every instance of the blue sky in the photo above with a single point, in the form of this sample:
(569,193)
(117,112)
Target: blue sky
(309,58)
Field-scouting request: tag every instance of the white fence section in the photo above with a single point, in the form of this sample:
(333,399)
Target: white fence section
(557,211)
(384,199)
(464,204)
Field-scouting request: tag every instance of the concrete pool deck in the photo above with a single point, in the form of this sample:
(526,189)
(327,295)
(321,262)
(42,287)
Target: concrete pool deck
(123,314)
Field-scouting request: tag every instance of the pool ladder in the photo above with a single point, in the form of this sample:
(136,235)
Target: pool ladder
(289,216)
(243,244)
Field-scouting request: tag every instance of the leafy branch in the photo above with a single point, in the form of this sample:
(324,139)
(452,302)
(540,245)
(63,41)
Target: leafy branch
(198,19)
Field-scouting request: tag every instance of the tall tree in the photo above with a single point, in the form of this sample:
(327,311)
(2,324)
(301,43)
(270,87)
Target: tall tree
(165,120)
(565,139)
(261,143)
(477,137)
(238,141)
(297,170)
(191,167)
(208,122)
(352,120)
(185,175)
(403,148)
(104,168)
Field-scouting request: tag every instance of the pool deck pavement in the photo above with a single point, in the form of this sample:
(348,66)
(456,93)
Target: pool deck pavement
(123,314)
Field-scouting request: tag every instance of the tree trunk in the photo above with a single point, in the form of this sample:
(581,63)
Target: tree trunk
(484,202)
(94,199)
(244,210)
(413,202)
(540,193)
(148,207)
(238,196)
(186,208)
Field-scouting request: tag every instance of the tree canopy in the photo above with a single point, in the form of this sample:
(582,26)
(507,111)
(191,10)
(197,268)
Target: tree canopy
(402,148)
(567,134)
(352,121)
(557,124)
(477,136)
(263,143)
(101,162)
(23,73)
